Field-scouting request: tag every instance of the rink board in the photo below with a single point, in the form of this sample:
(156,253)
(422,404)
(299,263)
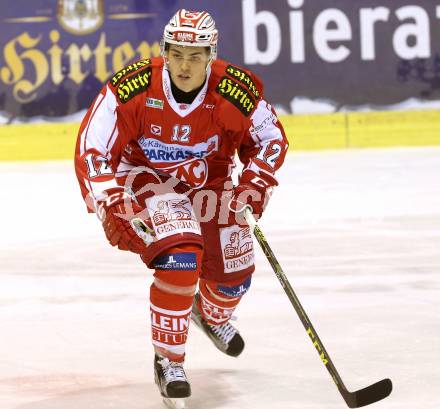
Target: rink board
(363,130)
(305,132)
(38,141)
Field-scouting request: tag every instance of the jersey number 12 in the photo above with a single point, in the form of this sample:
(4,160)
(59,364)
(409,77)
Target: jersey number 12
(104,168)
(269,153)
(181,133)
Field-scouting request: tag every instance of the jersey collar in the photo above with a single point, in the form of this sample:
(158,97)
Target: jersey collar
(183,109)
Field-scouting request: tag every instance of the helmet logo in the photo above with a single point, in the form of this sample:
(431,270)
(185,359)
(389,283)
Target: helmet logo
(192,14)
(183,36)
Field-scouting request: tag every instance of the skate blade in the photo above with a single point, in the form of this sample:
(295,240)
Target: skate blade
(174,403)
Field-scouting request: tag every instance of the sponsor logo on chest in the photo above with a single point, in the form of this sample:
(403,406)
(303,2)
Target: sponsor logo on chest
(157,151)
(156,129)
(154,103)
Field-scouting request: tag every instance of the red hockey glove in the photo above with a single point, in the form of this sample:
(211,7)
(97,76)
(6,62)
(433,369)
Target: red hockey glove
(120,216)
(253,191)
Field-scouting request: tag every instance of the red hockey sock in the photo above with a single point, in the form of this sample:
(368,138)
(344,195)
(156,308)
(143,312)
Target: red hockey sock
(216,307)
(170,317)
(171,297)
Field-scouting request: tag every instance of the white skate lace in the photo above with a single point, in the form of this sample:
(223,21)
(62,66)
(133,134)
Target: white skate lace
(172,371)
(224,331)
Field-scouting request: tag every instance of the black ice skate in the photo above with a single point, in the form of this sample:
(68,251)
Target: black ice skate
(172,382)
(224,336)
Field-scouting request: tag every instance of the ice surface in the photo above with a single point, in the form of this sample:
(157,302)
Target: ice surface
(357,232)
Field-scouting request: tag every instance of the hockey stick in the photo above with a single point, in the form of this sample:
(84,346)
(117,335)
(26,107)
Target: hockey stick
(362,397)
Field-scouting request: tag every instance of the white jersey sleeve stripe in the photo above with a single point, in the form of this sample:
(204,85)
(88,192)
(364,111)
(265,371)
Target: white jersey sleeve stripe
(89,188)
(97,188)
(263,127)
(112,140)
(100,132)
(84,132)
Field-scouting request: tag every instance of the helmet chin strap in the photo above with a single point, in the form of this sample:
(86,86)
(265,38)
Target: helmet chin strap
(211,60)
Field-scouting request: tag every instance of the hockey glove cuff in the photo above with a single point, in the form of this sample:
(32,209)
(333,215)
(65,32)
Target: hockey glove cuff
(253,191)
(121,215)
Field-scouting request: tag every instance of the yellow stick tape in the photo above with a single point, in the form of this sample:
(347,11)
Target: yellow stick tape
(305,132)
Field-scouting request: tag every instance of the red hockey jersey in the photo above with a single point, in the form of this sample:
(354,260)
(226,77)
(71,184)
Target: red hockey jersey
(135,121)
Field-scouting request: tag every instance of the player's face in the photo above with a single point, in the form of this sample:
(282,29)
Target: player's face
(187,66)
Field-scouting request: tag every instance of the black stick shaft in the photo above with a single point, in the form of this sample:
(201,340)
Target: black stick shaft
(356,399)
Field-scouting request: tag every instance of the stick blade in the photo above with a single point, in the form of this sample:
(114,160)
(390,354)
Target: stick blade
(368,395)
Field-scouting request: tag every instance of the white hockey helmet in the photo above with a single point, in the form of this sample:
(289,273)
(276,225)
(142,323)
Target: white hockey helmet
(193,29)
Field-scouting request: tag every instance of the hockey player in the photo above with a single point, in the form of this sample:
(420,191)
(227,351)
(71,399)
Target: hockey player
(154,159)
